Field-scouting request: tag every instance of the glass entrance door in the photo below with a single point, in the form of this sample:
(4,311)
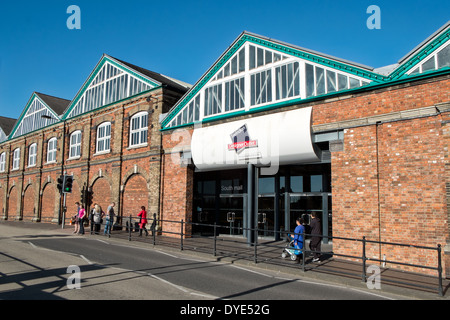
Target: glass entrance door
(266,216)
(231,214)
(302,205)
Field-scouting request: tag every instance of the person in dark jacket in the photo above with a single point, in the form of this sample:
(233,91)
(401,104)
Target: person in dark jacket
(316,239)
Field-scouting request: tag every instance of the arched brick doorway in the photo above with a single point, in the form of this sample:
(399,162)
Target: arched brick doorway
(102,193)
(135,195)
(12,203)
(49,200)
(29,211)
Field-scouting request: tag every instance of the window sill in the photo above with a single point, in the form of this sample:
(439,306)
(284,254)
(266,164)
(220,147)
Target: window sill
(101,153)
(137,146)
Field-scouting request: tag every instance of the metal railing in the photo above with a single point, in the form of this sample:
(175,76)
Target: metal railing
(176,231)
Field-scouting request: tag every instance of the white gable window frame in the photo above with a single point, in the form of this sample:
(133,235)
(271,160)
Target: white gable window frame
(75,145)
(38,116)
(3,162)
(51,150)
(32,154)
(437,60)
(103,138)
(110,85)
(16,159)
(269,77)
(139,129)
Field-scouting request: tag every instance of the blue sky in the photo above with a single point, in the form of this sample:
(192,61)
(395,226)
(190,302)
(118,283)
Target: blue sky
(182,39)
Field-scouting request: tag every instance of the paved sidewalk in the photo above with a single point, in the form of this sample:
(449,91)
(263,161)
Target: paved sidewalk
(268,253)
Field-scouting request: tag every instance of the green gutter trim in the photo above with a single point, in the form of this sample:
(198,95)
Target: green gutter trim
(420,56)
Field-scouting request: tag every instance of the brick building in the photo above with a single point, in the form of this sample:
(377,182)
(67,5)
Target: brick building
(107,137)
(269,133)
(273,131)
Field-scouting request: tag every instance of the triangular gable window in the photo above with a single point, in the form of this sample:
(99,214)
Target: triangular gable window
(257,76)
(109,85)
(37,116)
(438,60)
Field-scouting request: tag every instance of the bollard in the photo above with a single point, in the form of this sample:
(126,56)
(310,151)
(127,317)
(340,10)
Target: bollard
(215,240)
(129,230)
(441,291)
(364,276)
(181,244)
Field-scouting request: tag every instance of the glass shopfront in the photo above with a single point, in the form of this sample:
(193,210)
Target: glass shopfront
(295,191)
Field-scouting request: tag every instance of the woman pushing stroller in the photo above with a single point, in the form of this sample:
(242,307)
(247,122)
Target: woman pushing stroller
(299,236)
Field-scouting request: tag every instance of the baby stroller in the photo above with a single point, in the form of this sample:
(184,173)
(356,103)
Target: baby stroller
(291,251)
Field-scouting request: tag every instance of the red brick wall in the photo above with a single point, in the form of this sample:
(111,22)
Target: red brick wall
(382,101)
(411,190)
(177,191)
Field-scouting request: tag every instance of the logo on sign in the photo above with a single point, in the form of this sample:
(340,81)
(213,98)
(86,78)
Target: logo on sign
(241,140)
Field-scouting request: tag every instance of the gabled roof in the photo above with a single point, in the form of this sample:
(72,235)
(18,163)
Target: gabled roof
(165,80)
(109,69)
(362,73)
(41,111)
(425,49)
(58,105)
(323,65)
(7,124)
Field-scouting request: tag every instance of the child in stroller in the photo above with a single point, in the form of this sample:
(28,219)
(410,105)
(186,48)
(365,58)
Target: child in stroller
(295,247)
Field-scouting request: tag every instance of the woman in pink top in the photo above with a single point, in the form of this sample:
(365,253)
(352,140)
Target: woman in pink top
(81,216)
(143,222)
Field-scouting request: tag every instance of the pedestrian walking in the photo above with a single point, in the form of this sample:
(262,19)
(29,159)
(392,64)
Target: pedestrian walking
(299,236)
(143,221)
(109,219)
(75,218)
(316,239)
(96,218)
(81,218)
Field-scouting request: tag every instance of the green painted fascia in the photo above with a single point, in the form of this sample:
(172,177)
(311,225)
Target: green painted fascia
(316,59)
(298,101)
(273,46)
(30,101)
(412,62)
(95,73)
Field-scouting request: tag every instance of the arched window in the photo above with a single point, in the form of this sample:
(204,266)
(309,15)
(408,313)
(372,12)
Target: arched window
(104,138)
(2,162)
(16,159)
(139,129)
(32,151)
(51,150)
(75,145)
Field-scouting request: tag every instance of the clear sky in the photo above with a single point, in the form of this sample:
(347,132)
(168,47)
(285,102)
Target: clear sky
(182,39)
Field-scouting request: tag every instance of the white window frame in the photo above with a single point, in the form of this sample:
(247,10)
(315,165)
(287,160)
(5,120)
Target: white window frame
(16,159)
(75,146)
(32,153)
(105,139)
(51,153)
(3,162)
(139,131)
